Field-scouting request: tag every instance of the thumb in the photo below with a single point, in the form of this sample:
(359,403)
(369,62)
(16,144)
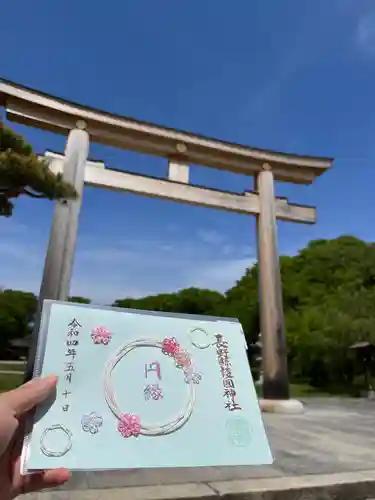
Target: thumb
(27,396)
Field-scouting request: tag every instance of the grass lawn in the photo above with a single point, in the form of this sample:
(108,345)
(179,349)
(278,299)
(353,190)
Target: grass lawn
(11,381)
(12,366)
(305,390)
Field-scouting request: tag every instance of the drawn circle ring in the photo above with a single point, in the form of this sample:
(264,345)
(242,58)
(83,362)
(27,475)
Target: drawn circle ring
(239,431)
(64,451)
(193,334)
(157,429)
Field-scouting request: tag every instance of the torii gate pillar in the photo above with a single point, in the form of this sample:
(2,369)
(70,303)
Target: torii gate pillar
(58,265)
(274,355)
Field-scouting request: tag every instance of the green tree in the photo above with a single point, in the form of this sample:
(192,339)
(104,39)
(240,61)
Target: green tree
(200,301)
(329,303)
(162,302)
(186,301)
(23,173)
(79,300)
(17,311)
(243,303)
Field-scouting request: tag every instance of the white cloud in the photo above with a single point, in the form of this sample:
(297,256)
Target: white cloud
(210,236)
(136,268)
(301,48)
(10,227)
(365,34)
(220,274)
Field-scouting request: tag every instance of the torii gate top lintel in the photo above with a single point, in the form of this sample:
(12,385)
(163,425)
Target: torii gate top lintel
(38,109)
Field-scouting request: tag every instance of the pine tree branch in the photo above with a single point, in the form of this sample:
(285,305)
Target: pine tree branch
(10,192)
(33,195)
(23,173)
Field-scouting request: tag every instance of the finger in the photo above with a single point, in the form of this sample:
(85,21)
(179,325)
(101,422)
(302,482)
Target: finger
(45,479)
(24,427)
(24,398)
(8,428)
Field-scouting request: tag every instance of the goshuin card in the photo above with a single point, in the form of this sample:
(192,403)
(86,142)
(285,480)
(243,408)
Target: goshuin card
(140,389)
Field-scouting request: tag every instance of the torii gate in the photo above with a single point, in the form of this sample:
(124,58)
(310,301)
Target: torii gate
(81,123)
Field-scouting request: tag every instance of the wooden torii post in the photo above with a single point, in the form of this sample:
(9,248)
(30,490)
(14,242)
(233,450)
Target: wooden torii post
(181,149)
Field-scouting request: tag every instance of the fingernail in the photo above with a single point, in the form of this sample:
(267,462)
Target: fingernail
(51,378)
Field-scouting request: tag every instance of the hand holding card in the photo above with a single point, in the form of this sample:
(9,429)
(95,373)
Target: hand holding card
(142,387)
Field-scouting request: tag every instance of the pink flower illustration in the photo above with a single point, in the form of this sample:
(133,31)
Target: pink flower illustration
(170,346)
(183,359)
(191,376)
(101,335)
(129,425)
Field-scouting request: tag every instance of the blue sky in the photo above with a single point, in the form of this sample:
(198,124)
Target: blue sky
(291,76)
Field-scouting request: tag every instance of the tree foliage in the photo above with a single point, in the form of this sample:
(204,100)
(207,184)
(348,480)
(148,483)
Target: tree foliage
(17,311)
(329,304)
(79,300)
(23,173)
(189,301)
